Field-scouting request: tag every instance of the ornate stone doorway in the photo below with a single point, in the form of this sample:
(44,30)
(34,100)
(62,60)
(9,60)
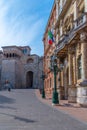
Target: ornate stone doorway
(29,79)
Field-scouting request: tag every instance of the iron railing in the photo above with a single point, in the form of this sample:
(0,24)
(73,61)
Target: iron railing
(66,38)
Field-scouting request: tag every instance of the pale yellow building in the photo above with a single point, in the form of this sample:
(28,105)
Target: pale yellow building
(68,18)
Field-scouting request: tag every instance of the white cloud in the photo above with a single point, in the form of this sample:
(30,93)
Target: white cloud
(22,23)
(18,31)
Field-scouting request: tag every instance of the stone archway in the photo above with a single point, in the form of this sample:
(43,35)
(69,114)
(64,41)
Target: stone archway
(29,79)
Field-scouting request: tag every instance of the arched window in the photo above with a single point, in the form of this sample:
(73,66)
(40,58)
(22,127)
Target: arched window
(30,60)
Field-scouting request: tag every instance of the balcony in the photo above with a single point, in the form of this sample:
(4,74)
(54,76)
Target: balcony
(65,39)
(79,24)
(61,42)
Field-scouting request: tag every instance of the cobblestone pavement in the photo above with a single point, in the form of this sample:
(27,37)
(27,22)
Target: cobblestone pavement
(21,110)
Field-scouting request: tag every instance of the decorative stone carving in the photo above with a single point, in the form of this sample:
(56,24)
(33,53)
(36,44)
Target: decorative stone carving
(83,36)
(82,96)
(71,49)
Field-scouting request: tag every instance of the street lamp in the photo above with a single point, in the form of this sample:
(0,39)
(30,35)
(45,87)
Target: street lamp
(55,69)
(43,76)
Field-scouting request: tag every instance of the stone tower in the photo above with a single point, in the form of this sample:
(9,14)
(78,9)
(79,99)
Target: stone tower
(20,68)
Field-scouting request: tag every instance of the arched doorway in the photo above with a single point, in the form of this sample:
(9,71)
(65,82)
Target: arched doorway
(29,79)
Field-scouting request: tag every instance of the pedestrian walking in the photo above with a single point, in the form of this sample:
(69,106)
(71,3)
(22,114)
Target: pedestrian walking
(8,85)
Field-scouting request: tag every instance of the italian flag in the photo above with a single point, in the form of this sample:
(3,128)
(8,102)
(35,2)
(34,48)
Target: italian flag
(50,37)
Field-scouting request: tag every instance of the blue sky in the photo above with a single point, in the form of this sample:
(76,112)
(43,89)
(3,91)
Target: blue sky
(23,22)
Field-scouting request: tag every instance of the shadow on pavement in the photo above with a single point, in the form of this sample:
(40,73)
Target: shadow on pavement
(24,119)
(7,107)
(4,99)
(70,105)
(20,118)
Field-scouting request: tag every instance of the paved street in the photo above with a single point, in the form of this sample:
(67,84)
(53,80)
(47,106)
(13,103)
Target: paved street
(21,110)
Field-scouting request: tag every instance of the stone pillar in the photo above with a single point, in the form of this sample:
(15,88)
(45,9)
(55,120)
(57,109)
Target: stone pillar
(72,88)
(74,68)
(61,4)
(84,56)
(61,27)
(84,60)
(75,12)
(82,87)
(58,79)
(61,89)
(70,68)
(65,79)
(62,79)
(85,3)
(57,10)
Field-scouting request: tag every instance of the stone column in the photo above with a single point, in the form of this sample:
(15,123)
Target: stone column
(65,78)
(61,90)
(58,80)
(57,10)
(75,12)
(72,87)
(84,56)
(70,68)
(61,27)
(74,68)
(61,77)
(84,61)
(85,3)
(82,87)
(61,4)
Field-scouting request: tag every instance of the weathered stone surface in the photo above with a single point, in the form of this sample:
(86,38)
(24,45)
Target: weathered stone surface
(82,95)
(20,68)
(72,94)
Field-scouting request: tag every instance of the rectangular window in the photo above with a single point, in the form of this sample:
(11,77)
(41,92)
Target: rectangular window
(79,67)
(24,51)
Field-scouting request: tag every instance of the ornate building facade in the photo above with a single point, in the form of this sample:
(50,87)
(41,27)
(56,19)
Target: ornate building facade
(68,18)
(20,68)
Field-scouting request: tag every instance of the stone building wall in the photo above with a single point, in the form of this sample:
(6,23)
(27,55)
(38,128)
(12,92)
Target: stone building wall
(20,68)
(8,72)
(70,33)
(40,85)
(18,74)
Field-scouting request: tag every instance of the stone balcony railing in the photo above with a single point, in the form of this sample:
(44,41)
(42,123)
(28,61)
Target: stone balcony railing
(79,24)
(62,42)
